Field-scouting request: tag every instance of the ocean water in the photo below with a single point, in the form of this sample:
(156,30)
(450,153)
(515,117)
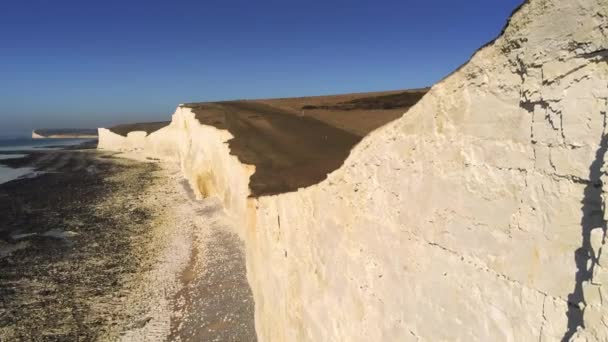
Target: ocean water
(24,145)
(29,144)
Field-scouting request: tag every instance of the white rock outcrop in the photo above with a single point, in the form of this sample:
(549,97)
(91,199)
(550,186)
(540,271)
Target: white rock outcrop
(63,134)
(37,136)
(477,216)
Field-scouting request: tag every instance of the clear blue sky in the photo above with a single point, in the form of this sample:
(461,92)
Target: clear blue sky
(97,63)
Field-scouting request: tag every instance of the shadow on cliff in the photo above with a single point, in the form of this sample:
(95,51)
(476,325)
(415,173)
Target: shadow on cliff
(585,258)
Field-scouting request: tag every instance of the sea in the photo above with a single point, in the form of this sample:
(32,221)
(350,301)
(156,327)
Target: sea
(17,147)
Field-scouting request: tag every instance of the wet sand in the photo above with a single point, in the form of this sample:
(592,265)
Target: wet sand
(98,247)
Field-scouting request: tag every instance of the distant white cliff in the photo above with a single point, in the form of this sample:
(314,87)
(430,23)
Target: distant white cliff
(64,134)
(37,136)
(478,216)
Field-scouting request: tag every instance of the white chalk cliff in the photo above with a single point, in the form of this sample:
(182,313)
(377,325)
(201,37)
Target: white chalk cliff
(477,216)
(37,136)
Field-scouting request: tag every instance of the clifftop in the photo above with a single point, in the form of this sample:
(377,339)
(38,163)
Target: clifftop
(296,142)
(148,127)
(293,142)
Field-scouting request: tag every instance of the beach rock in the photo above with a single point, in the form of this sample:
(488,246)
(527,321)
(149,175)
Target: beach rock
(6,249)
(482,207)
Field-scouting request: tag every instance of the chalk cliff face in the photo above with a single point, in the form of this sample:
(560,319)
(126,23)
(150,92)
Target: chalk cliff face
(37,136)
(479,215)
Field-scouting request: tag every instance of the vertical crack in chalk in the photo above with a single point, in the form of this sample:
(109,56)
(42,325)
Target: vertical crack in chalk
(584,257)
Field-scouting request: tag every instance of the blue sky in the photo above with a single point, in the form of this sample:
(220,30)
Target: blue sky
(98,63)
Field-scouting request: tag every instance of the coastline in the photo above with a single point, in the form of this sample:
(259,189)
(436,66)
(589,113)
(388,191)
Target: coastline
(96,248)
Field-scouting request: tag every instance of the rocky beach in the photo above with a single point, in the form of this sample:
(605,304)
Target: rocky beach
(100,247)
(471,210)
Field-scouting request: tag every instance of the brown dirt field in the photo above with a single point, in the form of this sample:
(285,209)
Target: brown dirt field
(358,113)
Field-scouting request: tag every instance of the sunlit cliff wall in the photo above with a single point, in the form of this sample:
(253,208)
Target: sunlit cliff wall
(479,215)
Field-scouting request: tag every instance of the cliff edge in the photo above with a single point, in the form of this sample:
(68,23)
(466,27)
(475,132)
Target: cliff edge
(478,215)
